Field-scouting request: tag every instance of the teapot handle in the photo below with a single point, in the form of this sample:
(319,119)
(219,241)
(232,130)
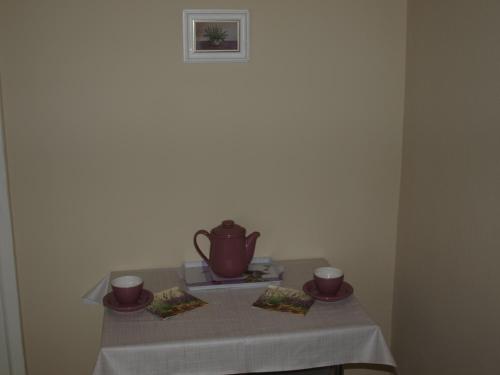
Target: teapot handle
(205,233)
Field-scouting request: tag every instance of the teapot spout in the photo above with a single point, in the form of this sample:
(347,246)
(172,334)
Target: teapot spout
(250,245)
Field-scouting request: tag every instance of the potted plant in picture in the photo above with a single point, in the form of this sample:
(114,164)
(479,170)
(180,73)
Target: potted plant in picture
(215,34)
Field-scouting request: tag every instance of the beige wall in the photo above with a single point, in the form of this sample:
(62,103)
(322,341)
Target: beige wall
(118,151)
(446,307)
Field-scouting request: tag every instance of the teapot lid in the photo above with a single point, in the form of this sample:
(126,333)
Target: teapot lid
(228,229)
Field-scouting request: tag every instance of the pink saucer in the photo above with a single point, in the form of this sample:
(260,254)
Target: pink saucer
(345,291)
(145,299)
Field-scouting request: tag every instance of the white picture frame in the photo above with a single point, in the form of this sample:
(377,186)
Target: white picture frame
(216,35)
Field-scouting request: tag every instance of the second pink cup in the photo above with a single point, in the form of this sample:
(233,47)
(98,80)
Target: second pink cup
(328,280)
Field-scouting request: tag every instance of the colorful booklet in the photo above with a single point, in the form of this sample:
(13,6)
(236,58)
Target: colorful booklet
(261,272)
(278,298)
(173,301)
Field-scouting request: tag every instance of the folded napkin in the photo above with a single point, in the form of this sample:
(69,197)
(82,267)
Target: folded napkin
(97,293)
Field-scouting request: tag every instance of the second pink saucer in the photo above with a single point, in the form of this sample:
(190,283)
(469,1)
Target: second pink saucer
(345,291)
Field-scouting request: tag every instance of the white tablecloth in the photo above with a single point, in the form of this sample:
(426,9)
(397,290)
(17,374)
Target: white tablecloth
(229,336)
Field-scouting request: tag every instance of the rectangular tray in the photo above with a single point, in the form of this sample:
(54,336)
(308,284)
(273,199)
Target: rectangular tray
(261,273)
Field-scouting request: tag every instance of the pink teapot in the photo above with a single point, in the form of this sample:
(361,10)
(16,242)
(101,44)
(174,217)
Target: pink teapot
(230,251)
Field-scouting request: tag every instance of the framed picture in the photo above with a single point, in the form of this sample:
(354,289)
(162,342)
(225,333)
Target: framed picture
(216,35)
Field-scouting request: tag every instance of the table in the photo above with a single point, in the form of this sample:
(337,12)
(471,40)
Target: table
(229,336)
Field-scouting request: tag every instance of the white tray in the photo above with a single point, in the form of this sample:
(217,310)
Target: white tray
(198,276)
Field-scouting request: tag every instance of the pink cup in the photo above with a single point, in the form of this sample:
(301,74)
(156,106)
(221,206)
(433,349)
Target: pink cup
(127,289)
(328,280)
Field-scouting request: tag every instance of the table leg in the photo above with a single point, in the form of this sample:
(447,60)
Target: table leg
(338,370)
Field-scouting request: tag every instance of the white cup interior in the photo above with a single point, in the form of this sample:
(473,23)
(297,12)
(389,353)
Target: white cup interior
(126,281)
(328,272)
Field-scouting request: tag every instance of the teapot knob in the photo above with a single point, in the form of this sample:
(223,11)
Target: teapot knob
(228,223)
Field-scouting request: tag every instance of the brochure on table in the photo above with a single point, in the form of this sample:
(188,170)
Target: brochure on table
(277,298)
(173,301)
